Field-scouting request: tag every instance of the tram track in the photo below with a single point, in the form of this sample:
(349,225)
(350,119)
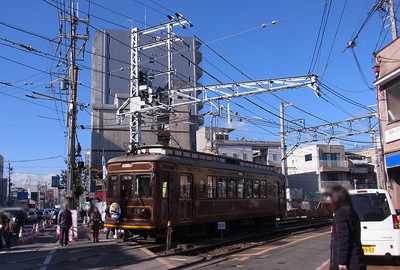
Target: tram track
(204,251)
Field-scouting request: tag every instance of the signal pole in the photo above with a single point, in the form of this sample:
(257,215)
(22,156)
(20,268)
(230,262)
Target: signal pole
(73,20)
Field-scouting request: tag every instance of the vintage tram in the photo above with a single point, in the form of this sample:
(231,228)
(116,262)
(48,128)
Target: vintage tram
(191,190)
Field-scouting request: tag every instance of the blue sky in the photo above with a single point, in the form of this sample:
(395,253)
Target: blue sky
(31,131)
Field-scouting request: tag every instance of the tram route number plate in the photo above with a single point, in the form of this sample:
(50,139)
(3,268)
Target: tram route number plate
(221,225)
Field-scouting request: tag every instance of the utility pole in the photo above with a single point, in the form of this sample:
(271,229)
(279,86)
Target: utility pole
(377,163)
(9,181)
(72,108)
(283,146)
(393,21)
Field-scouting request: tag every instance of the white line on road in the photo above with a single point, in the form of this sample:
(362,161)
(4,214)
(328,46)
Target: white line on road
(322,265)
(47,260)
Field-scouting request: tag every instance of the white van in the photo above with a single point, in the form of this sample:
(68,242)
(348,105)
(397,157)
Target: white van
(380,233)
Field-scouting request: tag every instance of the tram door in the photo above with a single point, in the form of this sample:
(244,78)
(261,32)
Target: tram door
(186,198)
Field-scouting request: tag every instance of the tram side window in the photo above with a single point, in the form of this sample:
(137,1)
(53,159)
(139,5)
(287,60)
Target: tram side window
(143,184)
(165,189)
(232,188)
(276,189)
(240,188)
(256,189)
(249,188)
(263,189)
(202,189)
(126,186)
(222,187)
(186,187)
(112,186)
(270,190)
(212,187)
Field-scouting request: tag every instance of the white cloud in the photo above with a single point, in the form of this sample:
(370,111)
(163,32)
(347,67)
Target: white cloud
(18,179)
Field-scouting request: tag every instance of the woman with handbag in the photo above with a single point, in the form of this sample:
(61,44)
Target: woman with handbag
(96,223)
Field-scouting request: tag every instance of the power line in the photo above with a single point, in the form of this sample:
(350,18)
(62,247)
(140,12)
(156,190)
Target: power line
(36,159)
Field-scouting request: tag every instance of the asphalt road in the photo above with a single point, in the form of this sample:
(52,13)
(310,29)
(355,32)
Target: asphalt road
(303,251)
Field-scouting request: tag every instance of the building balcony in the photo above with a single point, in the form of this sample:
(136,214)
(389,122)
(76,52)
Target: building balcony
(333,166)
(326,185)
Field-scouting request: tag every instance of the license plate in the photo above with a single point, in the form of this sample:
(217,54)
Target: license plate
(369,249)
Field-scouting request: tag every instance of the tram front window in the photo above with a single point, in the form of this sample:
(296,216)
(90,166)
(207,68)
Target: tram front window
(112,186)
(126,186)
(143,185)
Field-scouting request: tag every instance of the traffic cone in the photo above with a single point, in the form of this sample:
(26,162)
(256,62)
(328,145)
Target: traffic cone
(71,235)
(58,230)
(20,237)
(37,229)
(51,222)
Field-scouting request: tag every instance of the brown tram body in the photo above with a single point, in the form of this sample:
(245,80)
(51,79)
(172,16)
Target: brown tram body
(189,188)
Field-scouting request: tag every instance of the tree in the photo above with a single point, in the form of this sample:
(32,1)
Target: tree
(80,181)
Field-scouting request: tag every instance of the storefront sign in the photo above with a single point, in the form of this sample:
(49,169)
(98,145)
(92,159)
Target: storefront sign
(392,134)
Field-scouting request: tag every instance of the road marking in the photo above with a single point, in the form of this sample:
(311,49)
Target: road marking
(177,259)
(161,260)
(287,244)
(47,260)
(244,258)
(323,265)
(16,251)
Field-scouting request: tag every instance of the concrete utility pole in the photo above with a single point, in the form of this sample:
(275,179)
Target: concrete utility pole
(393,21)
(9,181)
(72,108)
(283,146)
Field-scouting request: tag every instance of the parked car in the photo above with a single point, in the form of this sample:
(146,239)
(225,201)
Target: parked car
(380,231)
(40,214)
(48,213)
(31,216)
(55,215)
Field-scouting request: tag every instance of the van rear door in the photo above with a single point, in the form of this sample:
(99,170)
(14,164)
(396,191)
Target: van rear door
(375,216)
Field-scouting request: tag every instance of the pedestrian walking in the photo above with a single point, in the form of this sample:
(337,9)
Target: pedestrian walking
(96,223)
(82,213)
(346,248)
(2,229)
(65,222)
(8,233)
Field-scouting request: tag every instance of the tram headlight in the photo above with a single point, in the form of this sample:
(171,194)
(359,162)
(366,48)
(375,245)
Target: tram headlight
(130,148)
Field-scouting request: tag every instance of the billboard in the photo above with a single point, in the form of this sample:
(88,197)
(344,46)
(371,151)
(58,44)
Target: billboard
(22,196)
(55,181)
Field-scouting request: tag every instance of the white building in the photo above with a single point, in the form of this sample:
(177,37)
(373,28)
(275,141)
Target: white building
(316,168)
(262,152)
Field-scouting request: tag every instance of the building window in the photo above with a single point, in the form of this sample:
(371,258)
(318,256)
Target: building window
(332,177)
(274,157)
(235,155)
(393,101)
(244,156)
(308,157)
(331,160)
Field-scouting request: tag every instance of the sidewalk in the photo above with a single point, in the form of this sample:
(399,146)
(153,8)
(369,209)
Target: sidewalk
(47,236)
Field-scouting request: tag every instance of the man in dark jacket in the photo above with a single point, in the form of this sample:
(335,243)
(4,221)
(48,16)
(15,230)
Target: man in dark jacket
(346,248)
(65,222)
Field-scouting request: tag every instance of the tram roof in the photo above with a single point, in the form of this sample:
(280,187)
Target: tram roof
(183,156)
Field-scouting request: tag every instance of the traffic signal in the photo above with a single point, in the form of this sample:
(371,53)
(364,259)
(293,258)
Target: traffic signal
(81,164)
(99,175)
(142,78)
